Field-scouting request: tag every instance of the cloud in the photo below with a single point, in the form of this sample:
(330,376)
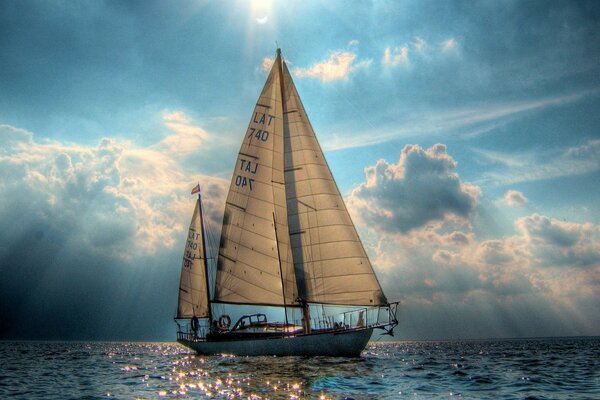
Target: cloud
(395,56)
(353,42)
(399,55)
(514,198)
(145,188)
(91,239)
(421,187)
(185,137)
(575,160)
(459,121)
(419,44)
(338,66)
(422,236)
(449,46)
(560,243)
(267,64)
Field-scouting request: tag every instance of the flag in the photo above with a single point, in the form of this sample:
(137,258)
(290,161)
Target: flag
(196,189)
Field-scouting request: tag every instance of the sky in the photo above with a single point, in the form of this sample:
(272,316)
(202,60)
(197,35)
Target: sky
(464,137)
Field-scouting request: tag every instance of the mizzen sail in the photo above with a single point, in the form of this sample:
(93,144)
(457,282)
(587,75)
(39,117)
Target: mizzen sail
(193,295)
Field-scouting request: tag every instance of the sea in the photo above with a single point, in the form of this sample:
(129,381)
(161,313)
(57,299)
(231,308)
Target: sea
(557,368)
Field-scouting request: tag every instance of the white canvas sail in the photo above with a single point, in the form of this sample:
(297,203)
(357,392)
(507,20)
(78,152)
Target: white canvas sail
(254,251)
(331,264)
(193,297)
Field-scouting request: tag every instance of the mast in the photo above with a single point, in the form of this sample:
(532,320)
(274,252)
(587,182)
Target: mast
(305,306)
(205,260)
(280,71)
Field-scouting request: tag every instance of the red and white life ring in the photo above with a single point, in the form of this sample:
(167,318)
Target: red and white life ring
(224,321)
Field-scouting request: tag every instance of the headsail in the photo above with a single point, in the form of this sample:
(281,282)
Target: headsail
(193,295)
(331,264)
(254,251)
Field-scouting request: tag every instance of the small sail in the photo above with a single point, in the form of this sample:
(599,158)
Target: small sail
(255,251)
(330,262)
(193,297)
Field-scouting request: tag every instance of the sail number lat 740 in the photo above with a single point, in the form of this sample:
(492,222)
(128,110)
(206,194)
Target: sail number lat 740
(242,181)
(258,134)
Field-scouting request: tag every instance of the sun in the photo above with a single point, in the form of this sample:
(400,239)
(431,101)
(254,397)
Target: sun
(260,10)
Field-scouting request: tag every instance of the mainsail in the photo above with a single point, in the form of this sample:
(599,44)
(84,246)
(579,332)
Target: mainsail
(330,262)
(193,288)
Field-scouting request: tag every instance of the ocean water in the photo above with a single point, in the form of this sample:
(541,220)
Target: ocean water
(566,368)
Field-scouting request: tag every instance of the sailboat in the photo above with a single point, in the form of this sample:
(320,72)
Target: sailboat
(287,247)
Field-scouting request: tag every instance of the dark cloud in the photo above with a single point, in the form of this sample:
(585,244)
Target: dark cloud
(422,187)
(561,243)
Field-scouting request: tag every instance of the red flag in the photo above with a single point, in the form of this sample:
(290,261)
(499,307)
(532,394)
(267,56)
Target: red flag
(196,189)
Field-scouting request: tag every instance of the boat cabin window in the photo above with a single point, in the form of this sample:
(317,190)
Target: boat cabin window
(250,320)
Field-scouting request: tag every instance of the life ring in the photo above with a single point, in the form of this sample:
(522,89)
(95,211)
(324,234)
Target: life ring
(224,321)
(194,324)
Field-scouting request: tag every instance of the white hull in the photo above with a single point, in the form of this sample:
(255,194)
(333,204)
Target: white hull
(335,344)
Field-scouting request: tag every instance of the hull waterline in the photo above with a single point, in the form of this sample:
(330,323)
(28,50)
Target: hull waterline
(334,344)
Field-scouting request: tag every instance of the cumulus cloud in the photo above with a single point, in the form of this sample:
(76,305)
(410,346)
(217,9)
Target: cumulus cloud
(267,64)
(434,257)
(422,187)
(338,66)
(558,243)
(514,198)
(395,56)
(92,235)
(353,42)
(117,198)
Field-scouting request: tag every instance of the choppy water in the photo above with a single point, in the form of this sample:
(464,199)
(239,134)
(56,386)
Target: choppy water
(505,369)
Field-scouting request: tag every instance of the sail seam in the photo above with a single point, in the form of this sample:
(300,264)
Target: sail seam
(241,264)
(249,283)
(254,250)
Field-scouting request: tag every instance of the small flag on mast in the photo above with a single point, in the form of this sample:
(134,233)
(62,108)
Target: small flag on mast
(196,189)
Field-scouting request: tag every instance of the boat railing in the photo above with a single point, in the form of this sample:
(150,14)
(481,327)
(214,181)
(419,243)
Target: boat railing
(361,318)
(366,317)
(185,331)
